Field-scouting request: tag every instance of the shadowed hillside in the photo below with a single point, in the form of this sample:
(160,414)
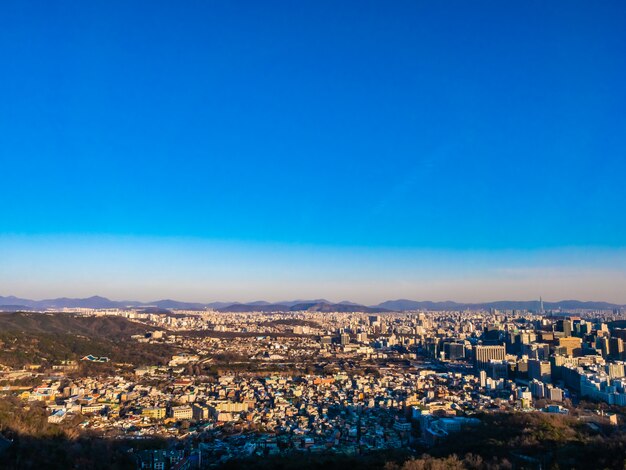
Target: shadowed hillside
(100,327)
(48,338)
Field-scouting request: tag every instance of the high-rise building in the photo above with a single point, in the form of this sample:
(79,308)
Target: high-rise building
(454,351)
(484,354)
(565,326)
(536,350)
(570,346)
(616,370)
(498,369)
(602,343)
(537,388)
(616,348)
(554,393)
(539,370)
(201,412)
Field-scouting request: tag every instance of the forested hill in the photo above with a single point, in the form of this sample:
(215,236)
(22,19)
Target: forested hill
(46,339)
(99,327)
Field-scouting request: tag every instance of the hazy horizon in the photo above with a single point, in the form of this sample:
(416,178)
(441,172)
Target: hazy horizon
(278,301)
(198,270)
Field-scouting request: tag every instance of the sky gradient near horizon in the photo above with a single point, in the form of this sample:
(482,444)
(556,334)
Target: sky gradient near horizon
(348,150)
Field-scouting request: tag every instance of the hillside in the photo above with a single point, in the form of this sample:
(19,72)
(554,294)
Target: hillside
(99,327)
(41,338)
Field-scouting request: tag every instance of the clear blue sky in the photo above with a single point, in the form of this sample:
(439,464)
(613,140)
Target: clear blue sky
(382,128)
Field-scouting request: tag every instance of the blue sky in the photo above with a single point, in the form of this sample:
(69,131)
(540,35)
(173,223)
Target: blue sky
(437,141)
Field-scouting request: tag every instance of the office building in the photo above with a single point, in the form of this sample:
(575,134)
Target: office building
(484,354)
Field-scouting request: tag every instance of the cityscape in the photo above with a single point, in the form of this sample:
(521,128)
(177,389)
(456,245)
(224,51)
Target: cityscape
(217,387)
(313,235)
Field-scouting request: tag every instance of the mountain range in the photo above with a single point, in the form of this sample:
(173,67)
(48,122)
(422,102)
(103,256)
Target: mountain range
(316,305)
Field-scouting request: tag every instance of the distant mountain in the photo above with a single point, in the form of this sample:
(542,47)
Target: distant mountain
(90,302)
(12,303)
(218,305)
(291,303)
(299,307)
(12,300)
(94,302)
(330,307)
(255,308)
(15,308)
(404,304)
(577,304)
(64,302)
(174,304)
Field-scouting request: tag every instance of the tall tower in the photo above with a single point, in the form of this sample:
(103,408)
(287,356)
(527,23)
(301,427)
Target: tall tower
(541,311)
